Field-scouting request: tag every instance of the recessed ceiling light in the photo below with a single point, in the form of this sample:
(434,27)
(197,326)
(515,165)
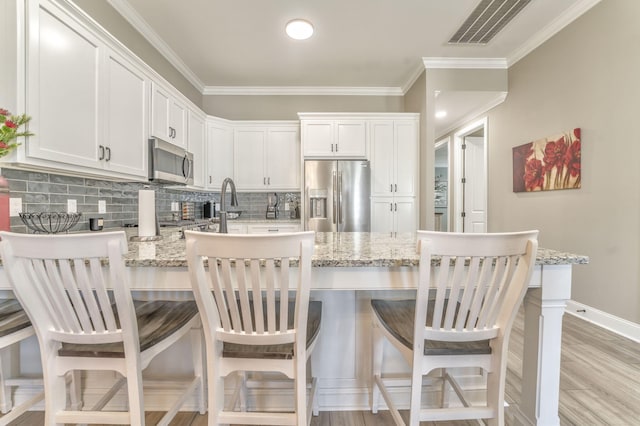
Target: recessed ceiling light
(299,29)
(441,114)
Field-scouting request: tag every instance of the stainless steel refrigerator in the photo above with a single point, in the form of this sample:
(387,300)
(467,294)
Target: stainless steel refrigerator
(337,195)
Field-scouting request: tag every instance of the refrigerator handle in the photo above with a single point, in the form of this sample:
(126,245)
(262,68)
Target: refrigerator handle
(339,196)
(335,196)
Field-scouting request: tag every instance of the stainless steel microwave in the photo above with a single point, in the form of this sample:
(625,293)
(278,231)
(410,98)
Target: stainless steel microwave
(169,163)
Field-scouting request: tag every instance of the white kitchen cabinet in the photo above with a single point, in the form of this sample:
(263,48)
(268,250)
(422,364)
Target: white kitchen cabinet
(197,146)
(168,116)
(394,157)
(93,115)
(219,152)
(270,228)
(267,157)
(342,138)
(126,118)
(63,99)
(393,214)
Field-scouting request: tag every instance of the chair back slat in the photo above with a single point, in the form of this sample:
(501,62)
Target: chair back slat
(284,294)
(257,295)
(252,274)
(479,279)
(64,283)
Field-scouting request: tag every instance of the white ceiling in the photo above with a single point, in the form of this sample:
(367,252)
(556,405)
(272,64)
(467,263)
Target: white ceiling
(359,46)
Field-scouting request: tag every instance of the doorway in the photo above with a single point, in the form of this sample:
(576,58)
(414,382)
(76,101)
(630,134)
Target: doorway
(441,189)
(470,182)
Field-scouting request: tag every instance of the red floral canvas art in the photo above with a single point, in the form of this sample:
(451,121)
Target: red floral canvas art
(548,164)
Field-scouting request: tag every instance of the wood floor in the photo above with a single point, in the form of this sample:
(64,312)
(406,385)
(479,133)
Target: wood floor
(599,384)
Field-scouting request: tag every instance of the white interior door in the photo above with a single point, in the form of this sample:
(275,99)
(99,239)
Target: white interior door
(475,191)
(470,178)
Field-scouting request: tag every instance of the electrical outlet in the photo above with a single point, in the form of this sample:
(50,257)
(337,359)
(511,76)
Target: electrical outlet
(15,206)
(72,206)
(102,206)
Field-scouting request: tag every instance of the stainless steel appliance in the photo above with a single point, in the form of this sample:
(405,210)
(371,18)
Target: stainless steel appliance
(272,206)
(169,163)
(337,195)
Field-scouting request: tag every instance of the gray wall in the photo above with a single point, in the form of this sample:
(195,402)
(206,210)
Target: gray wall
(288,107)
(586,76)
(115,24)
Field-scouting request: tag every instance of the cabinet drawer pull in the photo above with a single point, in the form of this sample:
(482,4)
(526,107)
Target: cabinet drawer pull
(101,149)
(396,186)
(108,154)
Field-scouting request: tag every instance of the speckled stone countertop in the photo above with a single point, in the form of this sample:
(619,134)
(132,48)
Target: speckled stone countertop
(339,249)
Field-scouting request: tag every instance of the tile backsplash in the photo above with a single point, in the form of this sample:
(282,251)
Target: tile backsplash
(50,192)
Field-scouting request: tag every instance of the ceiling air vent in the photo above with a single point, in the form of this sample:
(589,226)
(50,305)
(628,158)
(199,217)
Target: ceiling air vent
(487,20)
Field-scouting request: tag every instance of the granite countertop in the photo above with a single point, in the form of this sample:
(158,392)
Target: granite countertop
(339,249)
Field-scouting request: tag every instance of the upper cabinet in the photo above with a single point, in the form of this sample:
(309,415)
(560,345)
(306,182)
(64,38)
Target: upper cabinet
(267,156)
(394,157)
(92,114)
(197,146)
(168,116)
(331,136)
(219,152)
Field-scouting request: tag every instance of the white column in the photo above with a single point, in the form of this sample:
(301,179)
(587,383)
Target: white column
(543,310)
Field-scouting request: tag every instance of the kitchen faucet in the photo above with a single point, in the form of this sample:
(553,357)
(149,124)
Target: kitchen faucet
(223,209)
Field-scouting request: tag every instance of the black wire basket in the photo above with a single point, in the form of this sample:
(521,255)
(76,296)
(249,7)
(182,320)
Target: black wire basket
(50,222)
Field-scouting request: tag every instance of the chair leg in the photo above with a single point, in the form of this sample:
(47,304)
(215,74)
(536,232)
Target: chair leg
(416,393)
(55,387)
(315,408)
(5,391)
(215,383)
(377,356)
(135,392)
(300,385)
(444,396)
(495,398)
(198,366)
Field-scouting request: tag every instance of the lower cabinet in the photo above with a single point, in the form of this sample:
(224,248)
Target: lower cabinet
(393,215)
(271,228)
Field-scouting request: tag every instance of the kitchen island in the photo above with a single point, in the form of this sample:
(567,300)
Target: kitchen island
(350,269)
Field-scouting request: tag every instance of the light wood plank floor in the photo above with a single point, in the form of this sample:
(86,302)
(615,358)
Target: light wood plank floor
(599,384)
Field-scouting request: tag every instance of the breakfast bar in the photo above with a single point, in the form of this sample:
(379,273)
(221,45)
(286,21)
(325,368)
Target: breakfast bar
(350,269)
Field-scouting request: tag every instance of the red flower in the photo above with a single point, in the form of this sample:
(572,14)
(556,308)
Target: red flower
(572,158)
(533,175)
(3,145)
(576,133)
(11,124)
(554,154)
(4,112)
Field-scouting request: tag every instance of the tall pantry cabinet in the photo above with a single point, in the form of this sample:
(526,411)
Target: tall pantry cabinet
(394,154)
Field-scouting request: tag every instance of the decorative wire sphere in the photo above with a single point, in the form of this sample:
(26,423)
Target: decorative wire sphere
(50,222)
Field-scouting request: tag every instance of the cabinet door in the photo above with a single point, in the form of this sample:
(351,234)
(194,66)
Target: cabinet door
(177,123)
(350,138)
(126,124)
(160,105)
(282,157)
(317,138)
(382,214)
(197,148)
(219,155)
(249,146)
(382,158)
(405,214)
(63,90)
(406,158)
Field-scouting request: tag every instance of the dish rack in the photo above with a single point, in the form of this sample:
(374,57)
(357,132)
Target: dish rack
(50,222)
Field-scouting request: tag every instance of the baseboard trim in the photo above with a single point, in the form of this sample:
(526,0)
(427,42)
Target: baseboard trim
(615,324)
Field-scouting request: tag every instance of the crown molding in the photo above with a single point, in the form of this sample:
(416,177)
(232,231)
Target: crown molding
(302,91)
(412,78)
(570,15)
(465,63)
(129,13)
